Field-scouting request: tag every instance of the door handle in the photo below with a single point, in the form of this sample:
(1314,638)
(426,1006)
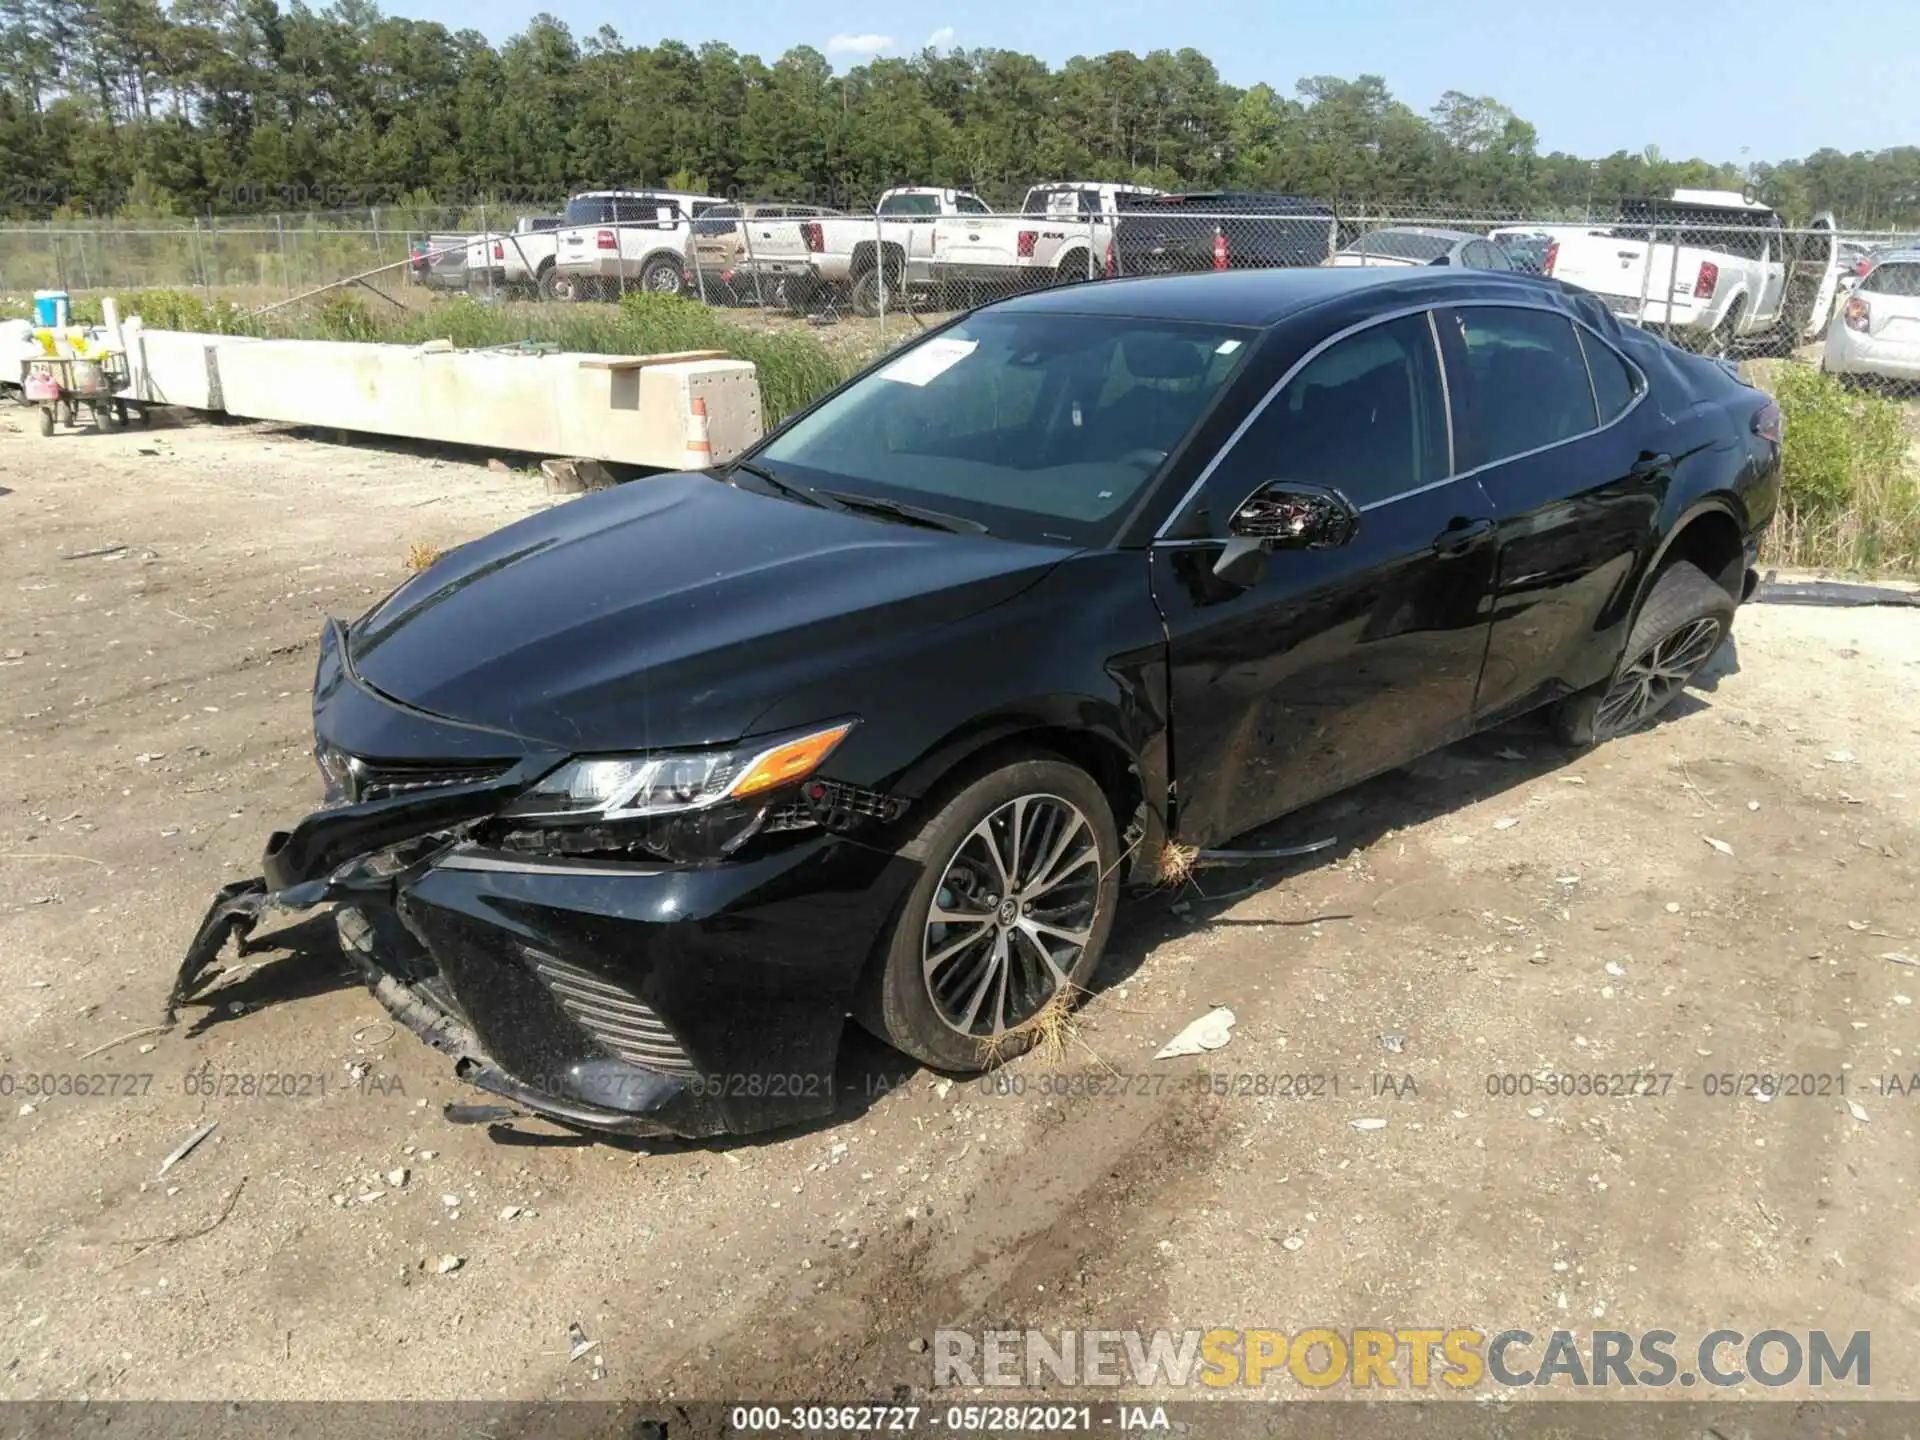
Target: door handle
(1647,466)
(1461,536)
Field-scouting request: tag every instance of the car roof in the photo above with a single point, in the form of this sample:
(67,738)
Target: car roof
(1437,232)
(1257,297)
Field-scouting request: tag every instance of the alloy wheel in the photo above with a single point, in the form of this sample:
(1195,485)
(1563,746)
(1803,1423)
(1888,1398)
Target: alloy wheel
(1012,915)
(1646,684)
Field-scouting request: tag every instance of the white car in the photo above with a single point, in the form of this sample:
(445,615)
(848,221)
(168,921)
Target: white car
(1877,332)
(610,241)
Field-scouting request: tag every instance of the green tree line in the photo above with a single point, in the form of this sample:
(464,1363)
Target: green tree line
(224,106)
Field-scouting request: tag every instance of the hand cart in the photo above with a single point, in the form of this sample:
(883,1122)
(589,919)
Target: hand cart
(61,384)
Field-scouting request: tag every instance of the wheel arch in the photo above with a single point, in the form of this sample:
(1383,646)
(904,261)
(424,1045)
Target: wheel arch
(1711,534)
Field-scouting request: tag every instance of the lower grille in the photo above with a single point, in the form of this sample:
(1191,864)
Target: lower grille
(618,1020)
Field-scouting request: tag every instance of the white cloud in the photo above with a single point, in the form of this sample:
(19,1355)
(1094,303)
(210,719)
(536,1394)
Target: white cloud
(942,38)
(859,44)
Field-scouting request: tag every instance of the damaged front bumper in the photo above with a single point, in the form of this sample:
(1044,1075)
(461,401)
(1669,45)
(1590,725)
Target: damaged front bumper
(619,996)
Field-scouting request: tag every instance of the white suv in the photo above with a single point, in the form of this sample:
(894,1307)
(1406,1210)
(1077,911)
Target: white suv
(1877,331)
(612,241)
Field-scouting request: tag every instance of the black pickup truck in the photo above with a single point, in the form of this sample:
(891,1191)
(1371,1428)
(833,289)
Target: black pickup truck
(1219,230)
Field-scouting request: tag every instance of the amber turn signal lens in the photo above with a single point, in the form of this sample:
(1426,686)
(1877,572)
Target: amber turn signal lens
(791,761)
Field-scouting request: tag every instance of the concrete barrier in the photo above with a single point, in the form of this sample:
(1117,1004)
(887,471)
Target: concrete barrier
(622,408)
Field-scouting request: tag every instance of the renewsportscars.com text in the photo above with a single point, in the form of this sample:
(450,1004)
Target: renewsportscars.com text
(1403,1357)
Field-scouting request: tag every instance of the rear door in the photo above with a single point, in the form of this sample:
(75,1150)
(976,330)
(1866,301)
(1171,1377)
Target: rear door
(1549,418)
(1337,663)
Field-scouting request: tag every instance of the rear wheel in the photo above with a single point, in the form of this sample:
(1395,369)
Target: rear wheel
(1072,269)
(1682,623)
(1019,882)
(1720,340)
(866,293)
(663,275)
(555,284)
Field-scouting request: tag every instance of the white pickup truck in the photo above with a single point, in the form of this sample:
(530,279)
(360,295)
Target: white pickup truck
(936,240)
(1709,267)
(855,253)
(512,262)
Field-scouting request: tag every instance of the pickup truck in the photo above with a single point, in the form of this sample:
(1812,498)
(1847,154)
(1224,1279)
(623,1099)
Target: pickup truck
(439,262)
(1708,268)
(723,244)
(610,241)
(1219,230)
(1061,235)
(511,262)
(857,253)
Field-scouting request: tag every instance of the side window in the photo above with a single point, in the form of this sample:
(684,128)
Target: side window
(1474,256)
(968,205)
(1527,382)
(1367,417)
(1615,382)
(1497,257)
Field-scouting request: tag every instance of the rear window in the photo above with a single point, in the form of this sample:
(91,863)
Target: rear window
(910,205)
(1062,200)
(589,210)
(1401,245)
(1902,278)
(718,219)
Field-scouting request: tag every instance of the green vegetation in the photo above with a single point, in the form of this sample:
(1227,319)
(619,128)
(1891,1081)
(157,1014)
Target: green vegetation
(1850,501)
(161,108)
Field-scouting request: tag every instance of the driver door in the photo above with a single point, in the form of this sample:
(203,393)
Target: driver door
(1326,665)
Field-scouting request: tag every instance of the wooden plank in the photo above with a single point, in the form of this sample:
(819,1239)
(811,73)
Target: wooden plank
(639,362)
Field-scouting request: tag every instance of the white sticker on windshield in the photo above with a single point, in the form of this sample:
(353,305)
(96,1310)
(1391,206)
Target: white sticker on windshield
(1226,347)
(929,361)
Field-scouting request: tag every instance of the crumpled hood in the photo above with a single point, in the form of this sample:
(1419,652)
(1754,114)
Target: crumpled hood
(668,611)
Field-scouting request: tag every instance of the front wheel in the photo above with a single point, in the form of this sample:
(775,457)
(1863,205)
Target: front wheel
(1019,882)
(1682,623)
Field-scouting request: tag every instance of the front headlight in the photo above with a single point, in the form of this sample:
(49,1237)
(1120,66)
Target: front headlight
(685,805)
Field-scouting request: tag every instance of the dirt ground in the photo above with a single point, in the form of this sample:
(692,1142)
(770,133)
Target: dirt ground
(1719,894)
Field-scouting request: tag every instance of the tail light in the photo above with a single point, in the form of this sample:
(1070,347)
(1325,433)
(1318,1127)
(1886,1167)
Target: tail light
(1707,282)
(1111,268)
(1024,247)
(1220,249)
(1861,266)
(499,251)
(813,236)
(604,240)
(1552,257)
(1769,423)
(1859,315)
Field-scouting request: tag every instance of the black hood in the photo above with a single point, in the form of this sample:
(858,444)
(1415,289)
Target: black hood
(669,611)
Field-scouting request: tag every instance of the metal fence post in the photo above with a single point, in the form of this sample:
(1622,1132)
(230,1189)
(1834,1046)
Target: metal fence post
(880,270)
(486,251)
(280,229)
(753,266)
(1673,280)
(1092,238)
(200,260)
(1646,270)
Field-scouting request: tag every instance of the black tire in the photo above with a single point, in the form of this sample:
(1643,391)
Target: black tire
(1671,619)
(663,275)
(866,293)
(1722,338)
(556,285)
(898,1002)
(1072,269)
(46,419)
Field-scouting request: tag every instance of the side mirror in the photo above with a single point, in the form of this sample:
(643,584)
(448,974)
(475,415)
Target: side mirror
(1283,516)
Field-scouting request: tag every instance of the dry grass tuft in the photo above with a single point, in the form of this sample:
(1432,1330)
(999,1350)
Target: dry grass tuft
(1176,864)
(1044,1033)
(420,555)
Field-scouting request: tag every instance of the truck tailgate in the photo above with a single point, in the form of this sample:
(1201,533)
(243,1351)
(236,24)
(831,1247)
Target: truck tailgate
(1613,268)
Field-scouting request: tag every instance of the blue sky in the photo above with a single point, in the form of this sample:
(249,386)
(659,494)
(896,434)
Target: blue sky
(1695,77)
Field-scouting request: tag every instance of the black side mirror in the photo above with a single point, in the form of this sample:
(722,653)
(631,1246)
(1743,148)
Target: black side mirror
(1283,516)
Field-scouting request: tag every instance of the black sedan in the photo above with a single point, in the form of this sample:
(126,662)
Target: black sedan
(632,805)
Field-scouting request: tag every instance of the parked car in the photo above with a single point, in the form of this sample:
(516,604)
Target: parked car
(1218,230)
(724,240)
(889,253)
(1423,245)
(512,263)
(631,804)
(439,262)
(1060,237)
(612,241)
(1876,332)
(1711,268)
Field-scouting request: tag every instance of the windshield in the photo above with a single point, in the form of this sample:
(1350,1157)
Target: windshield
(910,205)
(1401,245)
(1041,426)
